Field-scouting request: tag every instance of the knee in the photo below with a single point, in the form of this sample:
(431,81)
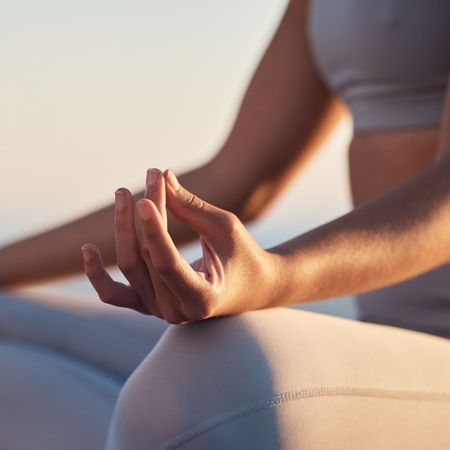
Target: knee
(205,372)
(197,371)
(266,379)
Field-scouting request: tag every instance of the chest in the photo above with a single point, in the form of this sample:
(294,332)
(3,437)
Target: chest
(393,40)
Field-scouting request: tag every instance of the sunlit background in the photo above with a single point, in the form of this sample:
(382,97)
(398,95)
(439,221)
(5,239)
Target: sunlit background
(92,93)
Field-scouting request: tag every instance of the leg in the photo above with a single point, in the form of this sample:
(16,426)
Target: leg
(108,338)
(62,368)
(50,401)
(287,379)
(420,303)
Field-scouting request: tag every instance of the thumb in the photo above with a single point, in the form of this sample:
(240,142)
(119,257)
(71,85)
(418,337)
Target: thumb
(208,220)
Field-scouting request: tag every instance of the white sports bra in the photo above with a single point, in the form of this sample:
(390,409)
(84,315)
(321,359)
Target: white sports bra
(388,59)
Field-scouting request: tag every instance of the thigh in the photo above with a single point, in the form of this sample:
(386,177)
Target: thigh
(287,379)
(108,338)
(61,368)
(52,402)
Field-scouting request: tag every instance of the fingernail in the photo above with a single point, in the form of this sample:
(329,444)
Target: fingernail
(120,198)
(144,210)
(86,254)
(152,176)
(172,180)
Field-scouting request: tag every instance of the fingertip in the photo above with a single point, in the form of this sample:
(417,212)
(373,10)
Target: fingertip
(122,191)
(151,180)
(87,258)
(91,253)
(171,180)
(89,247)
(120,201)
(153,171)
(86,249)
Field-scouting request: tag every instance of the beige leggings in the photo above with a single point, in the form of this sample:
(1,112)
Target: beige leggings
(287,379)
(274,379)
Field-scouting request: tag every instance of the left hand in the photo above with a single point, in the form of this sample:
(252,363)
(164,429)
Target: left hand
(234,275)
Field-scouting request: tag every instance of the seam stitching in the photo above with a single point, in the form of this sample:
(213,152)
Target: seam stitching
(304,394)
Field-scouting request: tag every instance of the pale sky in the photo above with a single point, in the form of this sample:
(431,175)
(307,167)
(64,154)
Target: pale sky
(92,93)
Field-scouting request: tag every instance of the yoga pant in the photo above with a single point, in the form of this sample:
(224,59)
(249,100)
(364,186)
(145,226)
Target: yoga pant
(62,366)
(287,379)
(421,303)
(274,379)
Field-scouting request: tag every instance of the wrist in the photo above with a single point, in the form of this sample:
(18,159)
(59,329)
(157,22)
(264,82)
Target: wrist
(281,280)
(293,283)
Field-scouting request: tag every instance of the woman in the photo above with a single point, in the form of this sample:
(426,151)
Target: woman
(194,390)
(216,384)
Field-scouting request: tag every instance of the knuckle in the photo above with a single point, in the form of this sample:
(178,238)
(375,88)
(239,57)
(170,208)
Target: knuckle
(230,221)
(191,200)
(169,311)
(203,310)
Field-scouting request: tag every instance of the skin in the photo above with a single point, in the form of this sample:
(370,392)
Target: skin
(181,292)
(284,115)
(396,236)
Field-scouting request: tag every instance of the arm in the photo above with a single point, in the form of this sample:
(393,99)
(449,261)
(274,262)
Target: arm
(396,236)
(284,114)
(399,235)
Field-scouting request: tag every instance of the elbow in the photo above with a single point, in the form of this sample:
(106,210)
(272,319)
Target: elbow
(257,202)
(249,195)
(251,213)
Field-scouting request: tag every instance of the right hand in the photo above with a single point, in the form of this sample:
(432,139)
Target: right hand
(235,274)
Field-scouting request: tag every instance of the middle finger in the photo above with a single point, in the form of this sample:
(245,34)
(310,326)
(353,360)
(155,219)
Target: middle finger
(167,302)
(129,259)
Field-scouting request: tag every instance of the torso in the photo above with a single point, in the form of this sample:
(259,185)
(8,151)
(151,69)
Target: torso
(389,60)
(379,161)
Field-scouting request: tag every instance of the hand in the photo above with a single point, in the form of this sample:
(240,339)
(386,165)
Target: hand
(234,275)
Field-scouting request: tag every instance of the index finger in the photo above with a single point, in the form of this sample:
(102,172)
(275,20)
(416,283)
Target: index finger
(177,274)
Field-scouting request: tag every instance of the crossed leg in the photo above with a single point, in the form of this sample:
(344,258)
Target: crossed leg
(287,379)
(61,370)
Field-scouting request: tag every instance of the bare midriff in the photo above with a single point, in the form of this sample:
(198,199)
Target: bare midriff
(379,161)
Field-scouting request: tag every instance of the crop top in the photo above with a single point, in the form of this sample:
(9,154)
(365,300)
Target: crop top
(389,60)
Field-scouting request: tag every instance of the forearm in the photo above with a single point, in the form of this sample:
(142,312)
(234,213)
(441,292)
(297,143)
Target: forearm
(56,252)
(392,238)
(284,114)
